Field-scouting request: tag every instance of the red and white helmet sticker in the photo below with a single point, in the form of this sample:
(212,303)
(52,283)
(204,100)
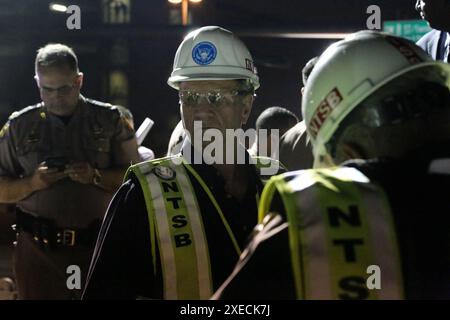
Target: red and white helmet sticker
(323,111)
(406,49)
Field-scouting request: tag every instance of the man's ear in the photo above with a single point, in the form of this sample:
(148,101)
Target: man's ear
(80,79)
(247,103)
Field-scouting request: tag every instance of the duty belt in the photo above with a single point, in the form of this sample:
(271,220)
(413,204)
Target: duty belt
(45,232)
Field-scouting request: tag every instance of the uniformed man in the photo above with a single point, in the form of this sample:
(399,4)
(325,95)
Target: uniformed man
(61,160)
(177,226)
(374,228)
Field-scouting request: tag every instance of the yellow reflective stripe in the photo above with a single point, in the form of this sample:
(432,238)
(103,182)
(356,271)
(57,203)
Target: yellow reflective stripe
(149,205)
(216,205)
(295,238)
(266,199)
(386,249)
(307,239)
(166,245)
(199,236)
(257,199)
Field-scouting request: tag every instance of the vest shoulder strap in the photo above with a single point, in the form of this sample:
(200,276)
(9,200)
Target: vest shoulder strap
(176,226)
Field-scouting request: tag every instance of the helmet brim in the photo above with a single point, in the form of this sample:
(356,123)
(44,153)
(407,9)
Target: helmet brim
(174,81)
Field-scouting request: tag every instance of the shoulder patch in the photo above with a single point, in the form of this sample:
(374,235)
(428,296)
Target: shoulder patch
(164,172)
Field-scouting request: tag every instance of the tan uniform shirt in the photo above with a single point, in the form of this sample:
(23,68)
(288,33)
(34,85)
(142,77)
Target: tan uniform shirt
(96,133)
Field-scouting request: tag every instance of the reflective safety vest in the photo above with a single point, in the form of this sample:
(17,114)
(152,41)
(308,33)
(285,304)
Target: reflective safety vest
(176,225)
(341,234)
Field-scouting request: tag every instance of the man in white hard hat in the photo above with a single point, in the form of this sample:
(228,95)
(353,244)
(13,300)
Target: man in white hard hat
(369,229)
(178,224)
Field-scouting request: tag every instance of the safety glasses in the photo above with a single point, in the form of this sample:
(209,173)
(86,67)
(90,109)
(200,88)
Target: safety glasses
(214,98)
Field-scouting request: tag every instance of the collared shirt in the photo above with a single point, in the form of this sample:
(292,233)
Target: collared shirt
(122,263)
(96,133)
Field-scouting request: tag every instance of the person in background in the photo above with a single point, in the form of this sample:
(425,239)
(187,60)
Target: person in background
(273,118)
(295,153)
(436,42)
(61,161)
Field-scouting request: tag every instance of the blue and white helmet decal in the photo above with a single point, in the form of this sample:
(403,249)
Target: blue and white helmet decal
(204,53)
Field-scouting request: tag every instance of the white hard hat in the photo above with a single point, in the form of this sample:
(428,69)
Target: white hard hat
(212,53)
(351,70)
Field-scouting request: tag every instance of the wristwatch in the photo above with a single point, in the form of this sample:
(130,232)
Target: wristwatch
(97,177)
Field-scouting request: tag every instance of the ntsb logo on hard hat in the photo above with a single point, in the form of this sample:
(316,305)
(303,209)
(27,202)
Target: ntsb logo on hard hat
(204,53)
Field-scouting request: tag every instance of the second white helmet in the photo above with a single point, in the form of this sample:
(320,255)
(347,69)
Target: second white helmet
(351,70)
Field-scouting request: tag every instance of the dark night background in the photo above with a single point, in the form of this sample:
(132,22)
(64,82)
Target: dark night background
(142,50)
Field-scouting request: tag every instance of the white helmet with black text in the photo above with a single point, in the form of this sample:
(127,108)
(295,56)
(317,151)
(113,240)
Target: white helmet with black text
(212,53)
(350,71)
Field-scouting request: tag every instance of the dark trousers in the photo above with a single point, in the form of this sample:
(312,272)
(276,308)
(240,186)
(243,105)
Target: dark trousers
(41,273)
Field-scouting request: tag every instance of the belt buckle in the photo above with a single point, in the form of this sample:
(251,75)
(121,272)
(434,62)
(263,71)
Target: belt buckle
(67,237)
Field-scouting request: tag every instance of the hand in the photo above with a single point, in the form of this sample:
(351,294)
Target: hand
(81,172)
(43,177)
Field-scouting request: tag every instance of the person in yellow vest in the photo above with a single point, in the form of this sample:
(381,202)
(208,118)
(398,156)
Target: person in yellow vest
(373,228)
(178,224)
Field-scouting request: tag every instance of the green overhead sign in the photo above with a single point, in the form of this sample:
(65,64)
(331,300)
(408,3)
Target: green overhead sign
(409,29)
